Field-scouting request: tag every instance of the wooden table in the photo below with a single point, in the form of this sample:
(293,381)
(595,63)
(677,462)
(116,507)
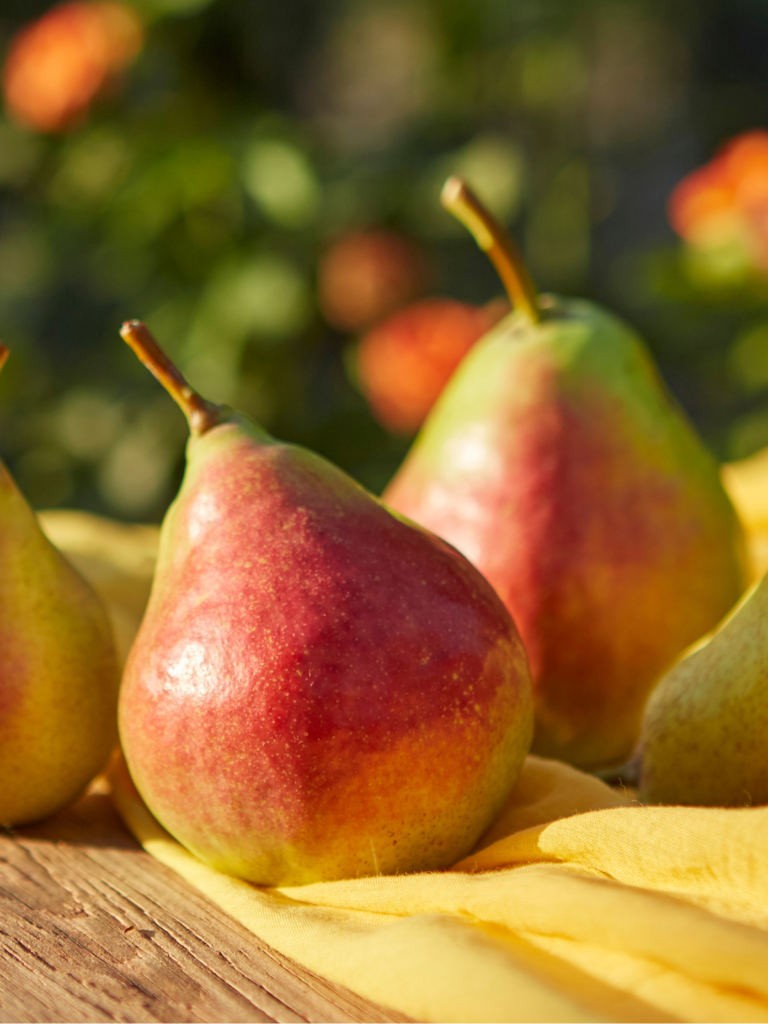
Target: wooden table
(94,929)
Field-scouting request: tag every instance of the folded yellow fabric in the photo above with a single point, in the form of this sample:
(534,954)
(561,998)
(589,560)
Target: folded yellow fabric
(577,905)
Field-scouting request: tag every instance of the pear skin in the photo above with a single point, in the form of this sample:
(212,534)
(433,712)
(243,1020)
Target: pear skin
(319,688)
(58,671)
(703,739)
(560,465)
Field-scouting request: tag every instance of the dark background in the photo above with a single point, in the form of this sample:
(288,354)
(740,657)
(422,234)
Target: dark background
(203,189)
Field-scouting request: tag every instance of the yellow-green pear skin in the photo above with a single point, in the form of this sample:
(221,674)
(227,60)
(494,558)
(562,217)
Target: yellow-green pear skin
(58,671)
(704,738)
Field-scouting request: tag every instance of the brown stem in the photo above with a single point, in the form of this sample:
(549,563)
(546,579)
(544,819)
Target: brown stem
(459,200)
(3,355)
(201,414)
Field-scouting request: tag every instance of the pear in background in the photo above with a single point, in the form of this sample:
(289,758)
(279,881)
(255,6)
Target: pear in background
(559,464)
(705,729)
(58,670)
(319,689)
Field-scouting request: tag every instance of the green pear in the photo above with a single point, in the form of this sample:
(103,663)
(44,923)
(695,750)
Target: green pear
(704,730)
(559,464)
(58,670)
(319,689)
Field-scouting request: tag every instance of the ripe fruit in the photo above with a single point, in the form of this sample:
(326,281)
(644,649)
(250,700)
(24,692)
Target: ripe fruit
(703,736)
(367,274)
(319,689)
(723,206)
(558,463)
(405,362)
(58,670)
(57,65)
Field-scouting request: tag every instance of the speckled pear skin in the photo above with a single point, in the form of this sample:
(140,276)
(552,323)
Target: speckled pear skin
(58,671)
(559,464)
(703,739)
(319,689)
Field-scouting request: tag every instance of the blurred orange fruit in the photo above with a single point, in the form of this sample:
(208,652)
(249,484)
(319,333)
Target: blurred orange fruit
(367,274)
(57,65)
(727,195)
(700,196)
(405,362)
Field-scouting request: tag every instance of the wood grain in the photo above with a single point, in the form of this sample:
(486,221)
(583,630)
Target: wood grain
(93,929)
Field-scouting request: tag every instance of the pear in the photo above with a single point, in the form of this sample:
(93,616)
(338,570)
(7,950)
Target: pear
(559,464)
(704,728)
(319,689)
(58,670)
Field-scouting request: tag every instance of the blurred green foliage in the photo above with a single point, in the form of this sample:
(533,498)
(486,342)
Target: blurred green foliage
(202,191)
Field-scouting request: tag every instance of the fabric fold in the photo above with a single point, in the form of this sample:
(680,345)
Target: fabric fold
(576,905)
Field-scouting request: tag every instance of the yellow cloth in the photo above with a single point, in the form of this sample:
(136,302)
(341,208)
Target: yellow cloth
(577,905)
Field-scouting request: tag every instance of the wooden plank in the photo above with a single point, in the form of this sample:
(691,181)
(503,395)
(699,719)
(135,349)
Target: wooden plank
(93,929)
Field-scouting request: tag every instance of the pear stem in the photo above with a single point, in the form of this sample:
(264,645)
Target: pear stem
(201,414)
(461,201)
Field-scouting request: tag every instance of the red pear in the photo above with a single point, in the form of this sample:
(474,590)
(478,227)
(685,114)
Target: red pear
(319,688)
(558,462)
